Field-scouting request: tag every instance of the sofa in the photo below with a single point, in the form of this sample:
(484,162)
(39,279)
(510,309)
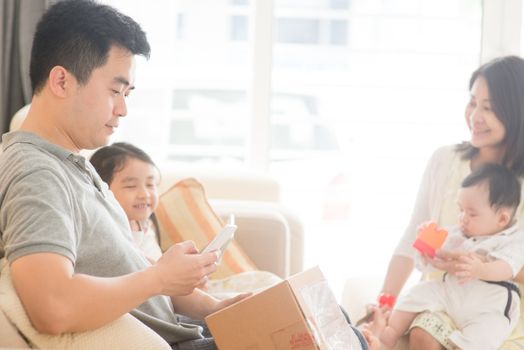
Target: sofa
(268,232)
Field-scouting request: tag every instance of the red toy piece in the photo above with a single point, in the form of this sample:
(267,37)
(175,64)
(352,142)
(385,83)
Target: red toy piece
(385,299)
(430,238)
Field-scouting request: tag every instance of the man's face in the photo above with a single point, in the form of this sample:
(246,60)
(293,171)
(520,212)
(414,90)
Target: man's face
(98,105)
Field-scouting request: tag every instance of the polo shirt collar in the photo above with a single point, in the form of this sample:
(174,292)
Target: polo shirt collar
(15,137)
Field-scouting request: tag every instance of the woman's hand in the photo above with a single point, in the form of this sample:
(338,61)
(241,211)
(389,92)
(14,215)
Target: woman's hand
(445,260)
(456,262)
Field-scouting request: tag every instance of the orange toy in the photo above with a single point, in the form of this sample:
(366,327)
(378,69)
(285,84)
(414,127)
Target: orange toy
(430,238)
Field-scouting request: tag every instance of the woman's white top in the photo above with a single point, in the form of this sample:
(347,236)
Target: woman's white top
(437,196)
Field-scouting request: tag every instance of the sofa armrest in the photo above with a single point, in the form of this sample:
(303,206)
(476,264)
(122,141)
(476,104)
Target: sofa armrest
(358,292)
(271,237)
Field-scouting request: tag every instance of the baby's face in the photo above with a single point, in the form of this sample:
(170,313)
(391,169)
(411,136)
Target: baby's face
(135,188)
(477,217)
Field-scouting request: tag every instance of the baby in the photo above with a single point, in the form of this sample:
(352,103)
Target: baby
(478,294)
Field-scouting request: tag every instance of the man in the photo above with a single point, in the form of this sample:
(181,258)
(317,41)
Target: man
(66,238)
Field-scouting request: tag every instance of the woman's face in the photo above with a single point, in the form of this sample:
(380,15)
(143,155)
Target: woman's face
(487,131)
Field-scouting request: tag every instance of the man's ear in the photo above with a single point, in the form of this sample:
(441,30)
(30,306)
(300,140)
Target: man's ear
(59,81)
(504,217)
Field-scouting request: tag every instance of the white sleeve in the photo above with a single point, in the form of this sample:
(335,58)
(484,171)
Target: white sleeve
(511,252)
(423,204)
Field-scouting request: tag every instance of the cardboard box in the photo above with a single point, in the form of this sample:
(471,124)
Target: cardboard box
(299,313)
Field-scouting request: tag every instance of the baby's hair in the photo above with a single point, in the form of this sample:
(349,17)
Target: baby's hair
(503,185)
(111,159)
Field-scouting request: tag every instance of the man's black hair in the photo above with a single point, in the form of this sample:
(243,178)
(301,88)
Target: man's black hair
(77,35)
(503,185)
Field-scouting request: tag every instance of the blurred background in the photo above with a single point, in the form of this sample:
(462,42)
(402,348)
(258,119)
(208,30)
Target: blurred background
(341,101)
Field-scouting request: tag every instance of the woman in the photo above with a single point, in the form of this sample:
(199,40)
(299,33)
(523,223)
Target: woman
(495,117)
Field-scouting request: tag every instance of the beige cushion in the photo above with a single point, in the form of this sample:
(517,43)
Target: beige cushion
(9,336)
(124,333)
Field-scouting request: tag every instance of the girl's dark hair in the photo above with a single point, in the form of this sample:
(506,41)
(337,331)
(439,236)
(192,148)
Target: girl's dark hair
(109,160)
(77,35)
(503,186)
(505,79)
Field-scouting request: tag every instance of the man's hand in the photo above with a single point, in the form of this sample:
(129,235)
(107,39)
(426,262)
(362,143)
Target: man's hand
(181,269)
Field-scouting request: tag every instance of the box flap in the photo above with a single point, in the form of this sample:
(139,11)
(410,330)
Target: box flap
(322,311)
(298,314)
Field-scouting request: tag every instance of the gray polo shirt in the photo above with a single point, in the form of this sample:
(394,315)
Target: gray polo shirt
(53,201)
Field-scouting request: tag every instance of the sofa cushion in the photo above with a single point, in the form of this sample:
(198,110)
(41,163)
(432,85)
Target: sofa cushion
(184,214)
(124,333)
(9,336)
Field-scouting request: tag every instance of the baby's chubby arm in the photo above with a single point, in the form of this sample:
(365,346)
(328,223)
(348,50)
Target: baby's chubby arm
(472,266)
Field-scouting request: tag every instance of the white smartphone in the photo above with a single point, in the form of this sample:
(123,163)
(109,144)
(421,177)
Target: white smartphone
(223,238)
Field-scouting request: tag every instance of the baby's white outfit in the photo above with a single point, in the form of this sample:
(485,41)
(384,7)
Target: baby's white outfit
(485,313)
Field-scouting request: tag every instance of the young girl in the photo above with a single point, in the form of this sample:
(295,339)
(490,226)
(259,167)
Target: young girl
(133,177)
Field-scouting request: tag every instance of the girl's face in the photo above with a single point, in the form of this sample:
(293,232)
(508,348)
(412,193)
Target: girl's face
(477,217)
(135,188)
(487,131)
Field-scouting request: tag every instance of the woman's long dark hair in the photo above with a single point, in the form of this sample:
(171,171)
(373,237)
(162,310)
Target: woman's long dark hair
(111,159)
(505,79)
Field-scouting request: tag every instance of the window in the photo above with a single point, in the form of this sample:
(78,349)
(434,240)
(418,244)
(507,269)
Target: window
(298,31)
(239,28)
(338,32)
(180,26)
(357,90)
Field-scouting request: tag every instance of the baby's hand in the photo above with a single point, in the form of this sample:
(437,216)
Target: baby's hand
(469,267)
(424,226)
(378,324)
(372,340)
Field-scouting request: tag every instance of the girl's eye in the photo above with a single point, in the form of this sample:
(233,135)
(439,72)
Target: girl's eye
(130,186)
(115,92)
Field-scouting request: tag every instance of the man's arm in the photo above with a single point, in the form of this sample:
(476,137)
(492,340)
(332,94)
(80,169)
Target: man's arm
(199,304)
(57,300)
